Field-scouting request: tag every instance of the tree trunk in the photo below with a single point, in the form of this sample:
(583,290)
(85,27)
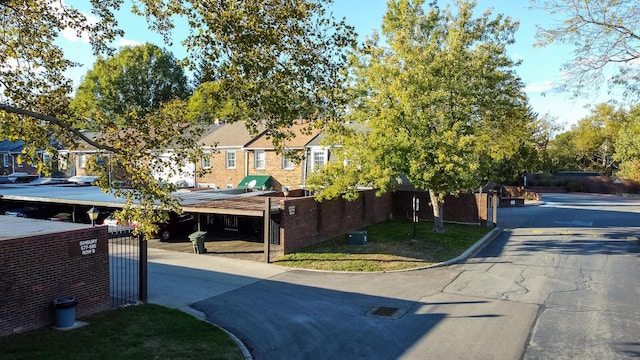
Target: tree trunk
(437,205)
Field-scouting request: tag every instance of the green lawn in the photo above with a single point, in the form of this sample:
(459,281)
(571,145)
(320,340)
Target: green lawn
(390,246)
(136,332)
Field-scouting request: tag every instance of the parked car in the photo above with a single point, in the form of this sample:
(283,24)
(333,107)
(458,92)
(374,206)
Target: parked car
(111,220)
(177,223)
(34,212)
(63,216)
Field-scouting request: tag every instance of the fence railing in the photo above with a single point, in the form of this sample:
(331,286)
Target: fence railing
(127,267)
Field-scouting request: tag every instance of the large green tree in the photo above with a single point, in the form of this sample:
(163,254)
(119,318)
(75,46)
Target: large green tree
(135,81)
(590,144)
(595,137)
(437,96)
(276,61)
(627,146)
(605,37)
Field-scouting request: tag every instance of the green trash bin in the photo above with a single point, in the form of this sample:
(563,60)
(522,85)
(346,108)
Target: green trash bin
(198,238)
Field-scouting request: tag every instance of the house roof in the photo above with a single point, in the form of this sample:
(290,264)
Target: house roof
(15,147)
(357,127)
(7,146)
(301,139)
(229,134)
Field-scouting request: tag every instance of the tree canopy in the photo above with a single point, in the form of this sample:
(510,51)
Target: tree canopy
(605,37)
(137,80)
(606,141)
(274,62)
(436,97)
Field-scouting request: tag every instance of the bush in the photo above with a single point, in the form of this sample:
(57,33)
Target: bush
(548,180)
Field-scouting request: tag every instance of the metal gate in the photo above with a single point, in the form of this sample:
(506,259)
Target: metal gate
(271,230)
(127,267)
(274,226)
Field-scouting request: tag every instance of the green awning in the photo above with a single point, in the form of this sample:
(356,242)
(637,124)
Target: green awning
(255,182)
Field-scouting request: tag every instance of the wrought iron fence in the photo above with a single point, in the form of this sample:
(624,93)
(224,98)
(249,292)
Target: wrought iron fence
(127,267)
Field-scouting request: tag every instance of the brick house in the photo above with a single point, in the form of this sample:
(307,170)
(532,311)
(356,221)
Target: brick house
(318,152)
(9,153)
(225,158)
(263,160)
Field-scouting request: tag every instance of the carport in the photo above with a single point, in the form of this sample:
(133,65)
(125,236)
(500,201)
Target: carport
(236,210)
(250,215)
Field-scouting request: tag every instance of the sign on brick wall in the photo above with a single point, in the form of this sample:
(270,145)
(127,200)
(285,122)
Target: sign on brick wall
(88,247)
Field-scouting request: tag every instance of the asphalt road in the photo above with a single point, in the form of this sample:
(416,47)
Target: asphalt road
(561,282)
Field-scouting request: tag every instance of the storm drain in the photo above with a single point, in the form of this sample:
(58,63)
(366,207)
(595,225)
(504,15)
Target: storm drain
(384,311)
(387,312)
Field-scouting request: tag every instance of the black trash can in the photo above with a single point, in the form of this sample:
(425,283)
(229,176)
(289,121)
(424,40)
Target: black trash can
(64,311)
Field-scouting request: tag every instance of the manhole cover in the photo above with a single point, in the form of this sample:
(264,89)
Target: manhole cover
(384,311)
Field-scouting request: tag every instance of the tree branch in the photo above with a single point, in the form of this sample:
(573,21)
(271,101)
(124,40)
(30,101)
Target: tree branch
(54,121)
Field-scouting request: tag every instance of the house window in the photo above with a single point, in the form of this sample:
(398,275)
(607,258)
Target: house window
(319,159)
(231,159)
(5,160)
(206,161)
(259,162)
(46,158)
(83,161)
(63,162)
(287,163)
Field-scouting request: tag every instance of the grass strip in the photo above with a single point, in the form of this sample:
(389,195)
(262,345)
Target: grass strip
(136,332)
(390,246)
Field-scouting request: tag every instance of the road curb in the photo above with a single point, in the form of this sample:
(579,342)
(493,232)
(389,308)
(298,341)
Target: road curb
(202,316)
(494,233)
(474,248)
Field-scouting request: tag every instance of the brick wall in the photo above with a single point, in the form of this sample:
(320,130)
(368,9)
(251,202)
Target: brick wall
(306,221)
(219,174)
(464,208)
(273,166)
(35,270)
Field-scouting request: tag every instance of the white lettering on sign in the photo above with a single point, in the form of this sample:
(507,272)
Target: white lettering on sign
(88,247)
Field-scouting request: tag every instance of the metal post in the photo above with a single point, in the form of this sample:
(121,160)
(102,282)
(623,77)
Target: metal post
(267,229)
(416,208)
(142,262)
(495,208)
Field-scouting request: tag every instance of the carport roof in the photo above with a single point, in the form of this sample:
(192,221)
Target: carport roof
(12,227)
(208,201)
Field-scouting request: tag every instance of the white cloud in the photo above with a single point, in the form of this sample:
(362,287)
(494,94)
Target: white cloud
(517,57)
(71,34)
(539,87)
(128,42)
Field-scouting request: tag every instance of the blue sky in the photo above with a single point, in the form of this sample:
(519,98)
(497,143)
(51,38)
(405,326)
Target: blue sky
(539,70)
